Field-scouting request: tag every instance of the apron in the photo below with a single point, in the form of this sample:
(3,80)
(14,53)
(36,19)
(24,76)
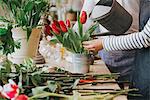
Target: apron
(141,70)
(123,61)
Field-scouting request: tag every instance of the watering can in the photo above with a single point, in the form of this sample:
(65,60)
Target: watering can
(116,20)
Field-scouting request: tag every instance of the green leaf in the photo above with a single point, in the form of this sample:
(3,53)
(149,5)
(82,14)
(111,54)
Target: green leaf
(39,90)
(59,37)
(36,79)
(92,29)
(16,3)
(52,85)
(68,41)
(3,31)
(54,40)
(47,94)
(89,32)
(65,40)
(7,66)
(4,19)
(80,27)
(29,6)
(76,41)
(17,68)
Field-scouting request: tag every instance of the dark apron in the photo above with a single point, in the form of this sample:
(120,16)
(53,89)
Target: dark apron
(119,62)
(141,71)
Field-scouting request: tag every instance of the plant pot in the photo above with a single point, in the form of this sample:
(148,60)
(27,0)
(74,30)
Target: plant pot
(19,55)
(80,63)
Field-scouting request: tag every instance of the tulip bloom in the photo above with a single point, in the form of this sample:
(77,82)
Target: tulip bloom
(68,23)
(63,26)
(48,30)
(55,29)
(22,97)
(83,17)
(10,90)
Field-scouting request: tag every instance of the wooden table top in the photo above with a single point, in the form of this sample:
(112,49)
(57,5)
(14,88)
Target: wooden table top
(98,67)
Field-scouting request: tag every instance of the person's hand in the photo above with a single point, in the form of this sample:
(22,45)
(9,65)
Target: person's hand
(93,45)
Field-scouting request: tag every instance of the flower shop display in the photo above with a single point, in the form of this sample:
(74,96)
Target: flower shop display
(72,41)
(30,82)
(25,15)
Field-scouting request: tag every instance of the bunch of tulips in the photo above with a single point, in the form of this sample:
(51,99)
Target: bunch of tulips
(71,39)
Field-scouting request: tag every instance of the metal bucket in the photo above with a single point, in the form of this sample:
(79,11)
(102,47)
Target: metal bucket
(117,20)
(80,63)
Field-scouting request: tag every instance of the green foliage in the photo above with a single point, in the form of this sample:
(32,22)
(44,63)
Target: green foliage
(51,88)
(5,69)
(73,41)
(7,44)
(26,13)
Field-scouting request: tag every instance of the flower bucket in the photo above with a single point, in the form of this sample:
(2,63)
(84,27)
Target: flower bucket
(80,63)
(19,55)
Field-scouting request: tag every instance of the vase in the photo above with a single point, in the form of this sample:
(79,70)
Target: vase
(80,63)
(19,55)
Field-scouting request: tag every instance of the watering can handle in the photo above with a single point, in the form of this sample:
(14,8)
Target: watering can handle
(105,2)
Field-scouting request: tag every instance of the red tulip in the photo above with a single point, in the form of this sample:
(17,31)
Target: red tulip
(15,87)
(63,26)
(22,97)
(83,17)
(48,30)
(10,90)
(11,94)
(68,23)
(55,29)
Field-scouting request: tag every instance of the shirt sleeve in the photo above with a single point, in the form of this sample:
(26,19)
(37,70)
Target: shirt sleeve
(136,40)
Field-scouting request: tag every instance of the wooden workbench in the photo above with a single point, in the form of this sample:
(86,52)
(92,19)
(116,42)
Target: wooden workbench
(98,67)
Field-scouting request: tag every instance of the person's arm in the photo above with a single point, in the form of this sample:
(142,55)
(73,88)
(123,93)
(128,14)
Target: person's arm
(133,41)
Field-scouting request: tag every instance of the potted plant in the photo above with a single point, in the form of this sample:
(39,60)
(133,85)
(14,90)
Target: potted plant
(72,41)
(7,43)
(26,15)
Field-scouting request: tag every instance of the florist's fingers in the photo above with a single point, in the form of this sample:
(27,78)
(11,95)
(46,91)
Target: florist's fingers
(86,42)
(89,47)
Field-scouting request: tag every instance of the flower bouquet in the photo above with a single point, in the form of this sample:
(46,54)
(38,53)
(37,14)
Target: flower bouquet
(72,41)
